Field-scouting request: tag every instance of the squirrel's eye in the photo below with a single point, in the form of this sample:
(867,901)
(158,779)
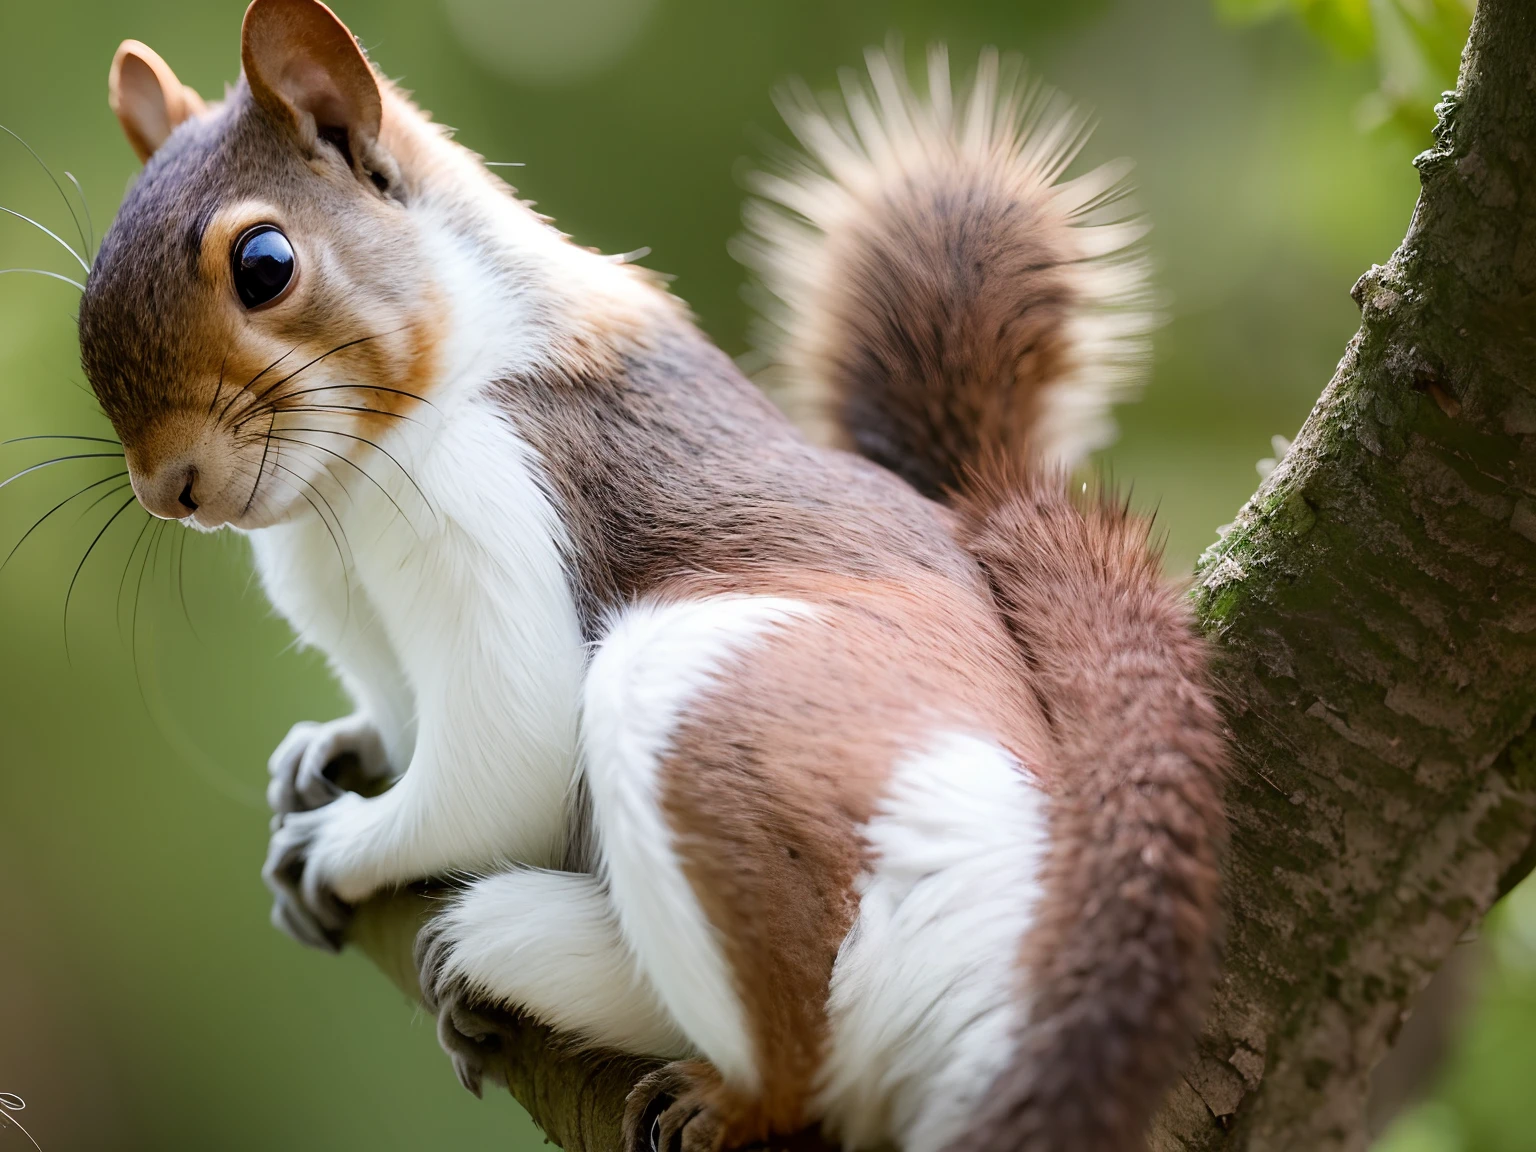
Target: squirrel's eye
(263,265)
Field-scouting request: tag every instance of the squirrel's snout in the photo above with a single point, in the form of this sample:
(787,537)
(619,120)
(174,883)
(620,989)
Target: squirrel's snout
(170,492)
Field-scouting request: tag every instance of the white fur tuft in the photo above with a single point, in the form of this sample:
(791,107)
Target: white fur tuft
(548,943)
(654,662)
(928,993)
(879,138)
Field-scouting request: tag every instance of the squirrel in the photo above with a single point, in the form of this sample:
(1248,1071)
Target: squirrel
(875,783)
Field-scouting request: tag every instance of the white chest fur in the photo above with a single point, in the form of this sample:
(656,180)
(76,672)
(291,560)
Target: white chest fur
(455,631)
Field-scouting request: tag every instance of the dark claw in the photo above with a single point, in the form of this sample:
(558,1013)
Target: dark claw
(289,918)
(316,764)
(472,1041)
(430,954)
(308,911)
(465,1051)
(666,1112)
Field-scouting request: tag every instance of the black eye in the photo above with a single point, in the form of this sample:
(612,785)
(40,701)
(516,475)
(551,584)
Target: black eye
(263,265)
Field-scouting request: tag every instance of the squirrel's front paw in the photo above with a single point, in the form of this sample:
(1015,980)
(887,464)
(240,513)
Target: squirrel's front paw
(466,1027)
(316,763)
(305,903)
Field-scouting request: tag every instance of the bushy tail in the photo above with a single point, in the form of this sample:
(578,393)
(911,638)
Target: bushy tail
(951,311)
(929,287)
(1122,951)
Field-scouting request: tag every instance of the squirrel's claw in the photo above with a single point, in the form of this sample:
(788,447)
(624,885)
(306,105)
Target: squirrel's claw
(305,907)
(317,763)
(667,1112)
(471,1039)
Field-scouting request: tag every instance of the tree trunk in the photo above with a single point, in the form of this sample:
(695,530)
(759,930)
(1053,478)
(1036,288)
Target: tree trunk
(1373,607)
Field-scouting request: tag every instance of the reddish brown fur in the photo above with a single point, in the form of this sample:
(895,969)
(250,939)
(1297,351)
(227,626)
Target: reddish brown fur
(776,769)
(944,315)
(962,362)
(1122,954)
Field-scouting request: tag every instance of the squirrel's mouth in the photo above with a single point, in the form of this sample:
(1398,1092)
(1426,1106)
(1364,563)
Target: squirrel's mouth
(184,468)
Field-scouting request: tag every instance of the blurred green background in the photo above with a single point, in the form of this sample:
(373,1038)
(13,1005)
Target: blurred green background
(144,1001)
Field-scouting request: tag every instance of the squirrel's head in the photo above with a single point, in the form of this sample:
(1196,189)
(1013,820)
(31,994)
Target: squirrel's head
(262,274)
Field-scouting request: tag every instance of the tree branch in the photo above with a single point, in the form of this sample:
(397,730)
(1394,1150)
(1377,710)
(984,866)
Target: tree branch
(576,1097)
(1373,607)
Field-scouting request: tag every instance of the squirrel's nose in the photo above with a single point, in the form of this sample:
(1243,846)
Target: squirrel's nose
(171,493)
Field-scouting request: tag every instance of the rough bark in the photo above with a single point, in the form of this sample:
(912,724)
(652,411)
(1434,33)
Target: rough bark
(1373,607)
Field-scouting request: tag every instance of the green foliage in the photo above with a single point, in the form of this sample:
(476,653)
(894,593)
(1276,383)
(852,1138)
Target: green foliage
(1416,45)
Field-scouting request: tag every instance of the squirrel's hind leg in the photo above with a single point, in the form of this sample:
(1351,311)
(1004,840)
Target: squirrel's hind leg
(659,807)
(544,943)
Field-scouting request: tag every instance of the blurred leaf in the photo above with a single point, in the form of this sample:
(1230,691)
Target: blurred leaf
(1416,43)
(1343,24)
(1439,27)
(1432,1127)
(1250,9)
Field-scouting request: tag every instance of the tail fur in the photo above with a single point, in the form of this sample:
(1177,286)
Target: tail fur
(1122,952)
(947,308)
(927,284)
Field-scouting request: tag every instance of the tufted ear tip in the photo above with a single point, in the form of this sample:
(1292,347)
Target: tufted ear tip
(146,96)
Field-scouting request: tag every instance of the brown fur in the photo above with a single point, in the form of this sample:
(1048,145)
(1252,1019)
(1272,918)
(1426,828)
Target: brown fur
(932,287)
(178,363)
(986,267)
(310,139)
(1122,955)
(676,465)
(776,769)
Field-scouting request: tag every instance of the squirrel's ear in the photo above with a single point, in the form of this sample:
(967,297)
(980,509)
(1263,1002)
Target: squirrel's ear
(302,63)
(147,97)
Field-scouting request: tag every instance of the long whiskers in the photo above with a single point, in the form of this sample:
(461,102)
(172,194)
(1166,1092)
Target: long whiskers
(85,206)
(127,565)
(79,259)
(92,439)
(262,404)
(351,463)
(360,388)
(260,467)
(38,523)
(44,272)
(60,460)
(150,563)
(341,558)
(181,587)
(323,464)
(247,385)
(123,507)
(341,554)
(360,409)
(107,495)
(270,388)
(84,243)
(219,391)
